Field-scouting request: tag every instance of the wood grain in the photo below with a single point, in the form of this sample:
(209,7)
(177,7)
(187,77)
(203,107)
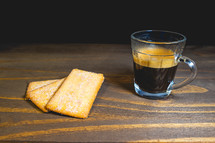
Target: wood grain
(118,114)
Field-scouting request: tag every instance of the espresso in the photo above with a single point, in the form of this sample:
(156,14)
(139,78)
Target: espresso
(153,80)
(155,70)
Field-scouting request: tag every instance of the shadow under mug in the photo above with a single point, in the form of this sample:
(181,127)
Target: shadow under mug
(156,55)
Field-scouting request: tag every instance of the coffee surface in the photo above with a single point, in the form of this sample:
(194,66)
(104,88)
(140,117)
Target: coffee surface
(154,57)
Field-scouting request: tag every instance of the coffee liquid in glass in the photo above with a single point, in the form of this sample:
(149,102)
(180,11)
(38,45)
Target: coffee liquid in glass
(155,69)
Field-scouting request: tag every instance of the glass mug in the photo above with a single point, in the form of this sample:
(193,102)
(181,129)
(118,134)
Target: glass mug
(156,55)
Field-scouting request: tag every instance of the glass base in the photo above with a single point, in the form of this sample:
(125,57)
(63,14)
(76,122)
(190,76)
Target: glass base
(152,95)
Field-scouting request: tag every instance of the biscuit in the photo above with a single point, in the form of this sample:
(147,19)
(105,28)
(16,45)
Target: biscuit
(37,84)
(42,95)
(76,95)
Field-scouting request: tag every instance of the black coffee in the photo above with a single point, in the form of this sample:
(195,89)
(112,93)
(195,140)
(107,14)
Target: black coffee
(155,70)
(153,80)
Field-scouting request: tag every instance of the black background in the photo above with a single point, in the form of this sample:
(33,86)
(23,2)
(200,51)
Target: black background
(103,21)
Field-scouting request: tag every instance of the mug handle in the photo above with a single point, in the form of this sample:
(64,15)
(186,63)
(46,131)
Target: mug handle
(193,74)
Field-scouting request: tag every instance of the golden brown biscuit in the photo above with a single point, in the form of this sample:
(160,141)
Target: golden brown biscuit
(76,95)
(37,84)
(42,95)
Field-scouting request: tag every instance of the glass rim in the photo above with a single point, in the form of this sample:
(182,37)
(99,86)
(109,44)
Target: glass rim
(157,42)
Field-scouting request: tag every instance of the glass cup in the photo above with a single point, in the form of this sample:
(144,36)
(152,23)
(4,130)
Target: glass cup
(156,55)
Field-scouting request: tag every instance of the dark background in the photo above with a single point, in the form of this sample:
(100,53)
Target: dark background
(103,21)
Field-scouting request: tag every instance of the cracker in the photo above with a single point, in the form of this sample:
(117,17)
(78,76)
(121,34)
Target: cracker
(76,95)
(42,95)
(37,84)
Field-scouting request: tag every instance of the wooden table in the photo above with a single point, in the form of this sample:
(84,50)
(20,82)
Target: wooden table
(118,114)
